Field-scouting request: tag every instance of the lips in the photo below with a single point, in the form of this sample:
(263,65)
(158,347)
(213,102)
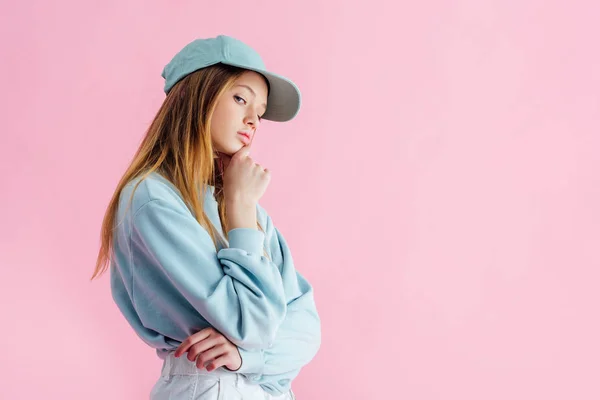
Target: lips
(245,137)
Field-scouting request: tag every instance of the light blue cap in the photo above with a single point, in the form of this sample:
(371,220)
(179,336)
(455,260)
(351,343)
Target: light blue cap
(284,98)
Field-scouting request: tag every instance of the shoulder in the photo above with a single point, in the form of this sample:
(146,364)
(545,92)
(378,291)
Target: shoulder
(150,189)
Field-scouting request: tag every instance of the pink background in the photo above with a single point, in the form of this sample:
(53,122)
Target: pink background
(440,188)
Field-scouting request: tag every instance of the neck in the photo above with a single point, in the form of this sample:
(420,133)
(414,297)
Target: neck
(223,158)
(221,163)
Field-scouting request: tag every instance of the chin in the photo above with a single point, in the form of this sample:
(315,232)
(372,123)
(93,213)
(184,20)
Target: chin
(231,149)
(236,146)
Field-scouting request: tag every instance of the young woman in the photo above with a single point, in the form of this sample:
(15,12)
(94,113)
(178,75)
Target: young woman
(197,266)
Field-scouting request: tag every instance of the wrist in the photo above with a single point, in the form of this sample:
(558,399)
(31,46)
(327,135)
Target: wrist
(239,202)
(241,215)
(232,367)
(253,361)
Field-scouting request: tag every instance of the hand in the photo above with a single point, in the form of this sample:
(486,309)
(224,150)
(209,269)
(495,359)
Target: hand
(210,345)
(244,181)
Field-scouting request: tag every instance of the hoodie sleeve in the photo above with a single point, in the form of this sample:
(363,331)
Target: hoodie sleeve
(299,336)
(237,290)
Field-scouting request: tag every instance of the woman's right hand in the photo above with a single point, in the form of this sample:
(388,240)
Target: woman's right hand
(244,181)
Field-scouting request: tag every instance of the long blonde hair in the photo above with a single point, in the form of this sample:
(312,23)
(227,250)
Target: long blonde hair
(178,145)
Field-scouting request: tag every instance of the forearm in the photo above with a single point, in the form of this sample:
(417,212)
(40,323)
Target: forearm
(240,214)
(296,343)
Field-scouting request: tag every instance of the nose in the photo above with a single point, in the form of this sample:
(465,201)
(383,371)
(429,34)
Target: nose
(252,120)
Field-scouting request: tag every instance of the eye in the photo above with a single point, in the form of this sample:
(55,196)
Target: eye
(236,97)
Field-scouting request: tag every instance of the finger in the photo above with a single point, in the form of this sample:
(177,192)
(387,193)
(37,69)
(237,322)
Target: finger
(218,362)
(202,346)
(245,150)
(210,355)
(261,169)
(239,155)
(191,340)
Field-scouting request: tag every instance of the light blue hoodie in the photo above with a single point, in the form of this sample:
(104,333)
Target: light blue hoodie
(170,281)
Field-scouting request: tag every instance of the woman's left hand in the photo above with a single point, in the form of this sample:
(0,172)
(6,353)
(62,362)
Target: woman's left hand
(210,345)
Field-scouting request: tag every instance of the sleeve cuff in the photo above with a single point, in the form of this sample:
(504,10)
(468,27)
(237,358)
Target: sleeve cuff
(248,239)
(252,362)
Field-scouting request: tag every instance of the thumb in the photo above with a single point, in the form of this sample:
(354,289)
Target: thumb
(245,150)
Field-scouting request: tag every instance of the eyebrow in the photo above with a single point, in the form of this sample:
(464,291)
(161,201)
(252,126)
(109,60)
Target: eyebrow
(252,91)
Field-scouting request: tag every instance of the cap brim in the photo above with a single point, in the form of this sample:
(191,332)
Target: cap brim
(284,99)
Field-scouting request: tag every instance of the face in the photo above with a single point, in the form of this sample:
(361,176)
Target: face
(239,112)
